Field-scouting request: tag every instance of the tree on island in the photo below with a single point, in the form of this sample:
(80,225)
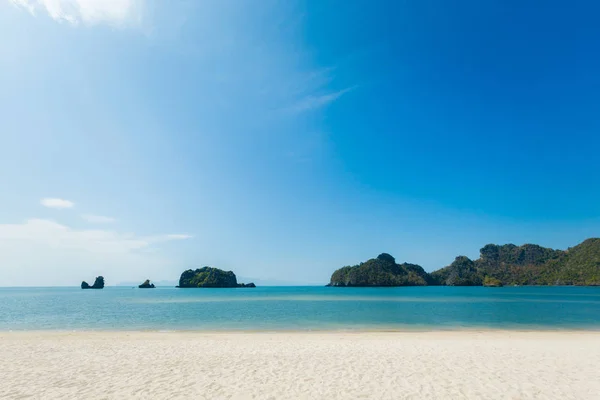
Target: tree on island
(492,282)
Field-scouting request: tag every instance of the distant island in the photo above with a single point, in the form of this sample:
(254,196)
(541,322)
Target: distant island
(146,285)
(505,265)
(98,284)
(208,277)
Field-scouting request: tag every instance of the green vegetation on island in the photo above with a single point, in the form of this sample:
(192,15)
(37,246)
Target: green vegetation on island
(505,265)
(98,284)
(381,271)
(208,277)
(462,272)
(492,282)
(529,264)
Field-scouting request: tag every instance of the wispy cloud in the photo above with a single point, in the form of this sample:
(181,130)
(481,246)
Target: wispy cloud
(178,236)
(90,12)
(56,203)
(312,102)
(44,252)
(93,240)
(98,219)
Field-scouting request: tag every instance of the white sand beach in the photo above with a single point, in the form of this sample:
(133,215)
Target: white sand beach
(333,365)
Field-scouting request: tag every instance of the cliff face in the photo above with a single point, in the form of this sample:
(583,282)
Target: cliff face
(518,265)
(208,277)
(380,271)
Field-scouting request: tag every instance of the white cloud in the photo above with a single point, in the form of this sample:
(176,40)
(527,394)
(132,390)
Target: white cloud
(98,219)
(93,240)
(178,236)
(44,252)
(312,102)
(115,12)
(56,203)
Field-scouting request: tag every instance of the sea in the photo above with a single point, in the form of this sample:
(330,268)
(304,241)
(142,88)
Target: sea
(300,309)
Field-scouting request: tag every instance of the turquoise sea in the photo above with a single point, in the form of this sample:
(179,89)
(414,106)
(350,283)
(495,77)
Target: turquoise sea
(300,308)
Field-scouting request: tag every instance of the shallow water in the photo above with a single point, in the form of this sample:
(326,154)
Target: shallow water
(300,308)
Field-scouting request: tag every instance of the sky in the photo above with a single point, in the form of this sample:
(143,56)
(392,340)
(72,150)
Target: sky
(285,139)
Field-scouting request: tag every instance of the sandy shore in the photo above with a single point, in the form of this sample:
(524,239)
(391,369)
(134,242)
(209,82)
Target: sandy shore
(403,365)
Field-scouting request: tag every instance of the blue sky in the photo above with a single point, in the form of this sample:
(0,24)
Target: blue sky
(283,140)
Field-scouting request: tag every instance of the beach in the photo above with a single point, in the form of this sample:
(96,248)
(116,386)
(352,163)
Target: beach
(300,365)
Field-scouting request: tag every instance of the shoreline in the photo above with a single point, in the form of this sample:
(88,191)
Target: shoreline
(191,334)
(350,331)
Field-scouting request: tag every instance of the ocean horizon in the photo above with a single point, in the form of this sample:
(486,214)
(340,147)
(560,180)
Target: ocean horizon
(300,308)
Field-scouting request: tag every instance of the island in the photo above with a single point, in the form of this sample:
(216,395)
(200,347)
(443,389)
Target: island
(381,271)
(497,266)
(529,264)
(98,284)
(147,285)
(208,277)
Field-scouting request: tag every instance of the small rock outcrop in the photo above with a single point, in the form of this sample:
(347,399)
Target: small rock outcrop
(147,285)
(251,284)
(98,284)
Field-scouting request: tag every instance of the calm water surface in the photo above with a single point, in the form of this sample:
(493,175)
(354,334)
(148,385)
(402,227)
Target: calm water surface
(300,308)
